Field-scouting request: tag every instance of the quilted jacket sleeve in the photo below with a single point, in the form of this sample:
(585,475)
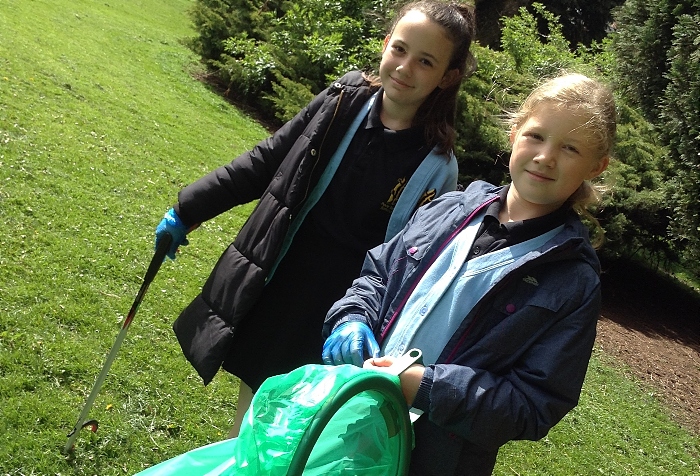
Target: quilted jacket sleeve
(246,177)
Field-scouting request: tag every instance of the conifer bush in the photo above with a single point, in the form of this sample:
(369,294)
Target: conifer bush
(276,55)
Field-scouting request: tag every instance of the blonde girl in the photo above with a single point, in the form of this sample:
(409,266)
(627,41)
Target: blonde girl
(497,285)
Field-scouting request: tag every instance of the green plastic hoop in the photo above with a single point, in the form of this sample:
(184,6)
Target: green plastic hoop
(366,381)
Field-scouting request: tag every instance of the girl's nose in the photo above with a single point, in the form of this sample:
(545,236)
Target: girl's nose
(403,68)
(546,156)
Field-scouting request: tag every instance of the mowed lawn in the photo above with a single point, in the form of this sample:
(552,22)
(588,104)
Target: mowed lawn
(102,121)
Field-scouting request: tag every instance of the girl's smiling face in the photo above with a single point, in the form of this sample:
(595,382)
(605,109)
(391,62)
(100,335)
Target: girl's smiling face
(415,60)
(552,156)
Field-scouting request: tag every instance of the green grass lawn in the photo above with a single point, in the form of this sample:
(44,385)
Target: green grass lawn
(101,123)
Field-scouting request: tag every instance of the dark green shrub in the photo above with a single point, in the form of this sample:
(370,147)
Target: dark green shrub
(636,210)
(658,54)
(680,115)
(275,54)
(288,98)
(217,20)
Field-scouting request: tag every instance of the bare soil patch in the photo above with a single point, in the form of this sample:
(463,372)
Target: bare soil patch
(652,324)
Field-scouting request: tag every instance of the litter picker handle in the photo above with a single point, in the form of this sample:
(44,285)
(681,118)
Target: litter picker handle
(156,261)
(402,363)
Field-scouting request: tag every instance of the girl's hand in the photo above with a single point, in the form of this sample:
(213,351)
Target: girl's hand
(377,363)
(410,379)
(350,343)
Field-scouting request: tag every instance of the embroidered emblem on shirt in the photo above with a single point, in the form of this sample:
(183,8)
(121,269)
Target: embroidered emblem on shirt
(427,197)
(389,205)
(531,280)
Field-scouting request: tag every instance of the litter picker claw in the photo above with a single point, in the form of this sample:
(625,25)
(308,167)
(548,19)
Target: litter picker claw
(156,261)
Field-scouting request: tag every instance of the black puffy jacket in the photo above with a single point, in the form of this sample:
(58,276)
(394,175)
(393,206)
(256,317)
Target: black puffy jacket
(278,172)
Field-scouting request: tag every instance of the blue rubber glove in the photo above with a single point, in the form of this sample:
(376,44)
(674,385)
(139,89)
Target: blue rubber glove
(350,343)
(172,224)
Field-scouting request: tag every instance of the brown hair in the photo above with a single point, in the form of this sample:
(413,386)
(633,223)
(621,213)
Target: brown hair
(438,111)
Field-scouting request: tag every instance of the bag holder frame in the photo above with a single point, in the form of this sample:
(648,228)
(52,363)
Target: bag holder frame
(369,381)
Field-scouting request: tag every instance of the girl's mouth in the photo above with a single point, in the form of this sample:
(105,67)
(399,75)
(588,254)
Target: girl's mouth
(400,83)
(536,176)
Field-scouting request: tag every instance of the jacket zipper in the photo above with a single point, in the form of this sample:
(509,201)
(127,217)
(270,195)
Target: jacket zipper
(318,151)
(432,261)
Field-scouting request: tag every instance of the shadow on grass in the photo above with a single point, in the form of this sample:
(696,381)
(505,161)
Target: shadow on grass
(651,303)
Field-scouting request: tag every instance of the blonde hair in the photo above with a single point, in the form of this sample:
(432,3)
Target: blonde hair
(594,103)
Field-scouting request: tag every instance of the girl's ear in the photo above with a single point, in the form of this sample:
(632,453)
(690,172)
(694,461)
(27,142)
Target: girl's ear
(600,167)
(513,133)
(450,78)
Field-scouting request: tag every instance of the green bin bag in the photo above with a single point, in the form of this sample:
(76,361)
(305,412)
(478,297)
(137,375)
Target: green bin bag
(315,420)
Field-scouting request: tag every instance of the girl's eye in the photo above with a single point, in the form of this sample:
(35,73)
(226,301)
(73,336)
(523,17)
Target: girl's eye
(571,148)
(426,62)
(534,135)
(398,49)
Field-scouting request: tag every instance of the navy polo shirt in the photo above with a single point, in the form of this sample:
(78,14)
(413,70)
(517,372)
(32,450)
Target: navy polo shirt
(494,235)
(356,207)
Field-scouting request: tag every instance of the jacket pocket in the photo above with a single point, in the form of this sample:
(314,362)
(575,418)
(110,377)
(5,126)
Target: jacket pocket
(520,313)
(292,181)
(261,237)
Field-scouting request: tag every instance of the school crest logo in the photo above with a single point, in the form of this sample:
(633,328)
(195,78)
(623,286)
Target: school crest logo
(390,203)
(427,197)
(397,190)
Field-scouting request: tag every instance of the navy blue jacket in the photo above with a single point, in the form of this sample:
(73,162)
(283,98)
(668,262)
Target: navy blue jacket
(516,364)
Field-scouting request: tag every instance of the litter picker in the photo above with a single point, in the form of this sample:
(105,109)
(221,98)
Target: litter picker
(158,257)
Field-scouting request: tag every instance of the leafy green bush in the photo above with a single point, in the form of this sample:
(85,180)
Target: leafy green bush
(217,20)
(532,53)
(658,70)
(681,117)
(247,63)
(636,210)
(277,55)
(288,98)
